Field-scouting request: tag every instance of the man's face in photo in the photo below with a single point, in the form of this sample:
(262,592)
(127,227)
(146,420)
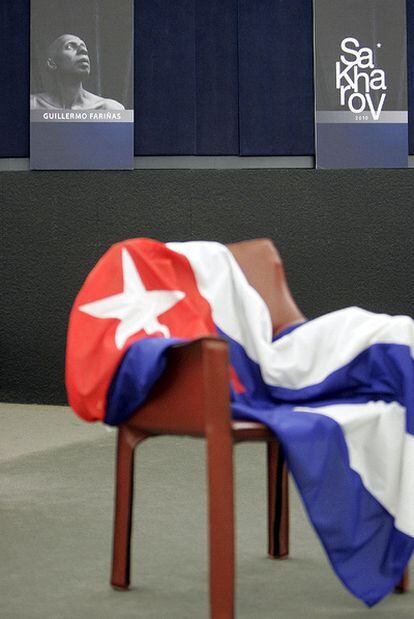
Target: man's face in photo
(69,54)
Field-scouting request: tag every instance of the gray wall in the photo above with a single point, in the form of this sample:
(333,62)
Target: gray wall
(346,238)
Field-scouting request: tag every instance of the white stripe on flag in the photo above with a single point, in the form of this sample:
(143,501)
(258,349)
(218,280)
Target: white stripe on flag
(379,451)
(404,520)
(302,358)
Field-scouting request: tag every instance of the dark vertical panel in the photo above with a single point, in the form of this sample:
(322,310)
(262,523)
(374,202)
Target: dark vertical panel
(275,77)
(164,77)
(14,78)
(276,111)
(410,62)
(217,131)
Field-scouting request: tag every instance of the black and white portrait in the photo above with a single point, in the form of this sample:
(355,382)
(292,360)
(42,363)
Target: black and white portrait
(82,55)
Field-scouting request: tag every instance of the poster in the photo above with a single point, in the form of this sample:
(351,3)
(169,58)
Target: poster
(361,118)
(81,85)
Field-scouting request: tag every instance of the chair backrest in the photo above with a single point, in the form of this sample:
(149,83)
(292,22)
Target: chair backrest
(262,265)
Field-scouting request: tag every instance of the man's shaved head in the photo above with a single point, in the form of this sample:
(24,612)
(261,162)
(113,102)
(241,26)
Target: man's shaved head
(68,54)
(69,66)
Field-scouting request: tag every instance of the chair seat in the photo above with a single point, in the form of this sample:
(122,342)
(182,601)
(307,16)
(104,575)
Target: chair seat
(250,431)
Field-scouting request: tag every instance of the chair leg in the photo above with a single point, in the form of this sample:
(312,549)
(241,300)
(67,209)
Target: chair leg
(278,502)
(403,585)
(123,507)
(221,526)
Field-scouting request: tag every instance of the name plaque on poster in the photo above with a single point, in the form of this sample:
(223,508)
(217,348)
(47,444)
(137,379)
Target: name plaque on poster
(361,117)
(81,85)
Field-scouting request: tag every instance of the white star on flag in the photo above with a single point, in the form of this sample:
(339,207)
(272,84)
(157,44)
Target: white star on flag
(136,307)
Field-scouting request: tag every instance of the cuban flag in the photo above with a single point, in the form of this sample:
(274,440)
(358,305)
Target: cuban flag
(338,391)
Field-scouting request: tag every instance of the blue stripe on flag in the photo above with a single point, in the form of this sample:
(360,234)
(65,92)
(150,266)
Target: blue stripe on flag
(381,372)
(365,549)
(141,366)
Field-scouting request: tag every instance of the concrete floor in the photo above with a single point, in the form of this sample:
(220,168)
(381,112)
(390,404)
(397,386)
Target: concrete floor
(56,502)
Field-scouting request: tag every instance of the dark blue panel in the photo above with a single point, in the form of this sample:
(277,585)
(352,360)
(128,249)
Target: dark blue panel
(363,145)
(164,77)
(410,62)
(275,77)
(217,122)
(14,78)
(81,146)
(184,88)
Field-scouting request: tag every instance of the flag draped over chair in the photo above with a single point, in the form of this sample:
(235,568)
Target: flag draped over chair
(338,391)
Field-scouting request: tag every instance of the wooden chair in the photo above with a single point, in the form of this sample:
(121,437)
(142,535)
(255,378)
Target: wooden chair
(192,398)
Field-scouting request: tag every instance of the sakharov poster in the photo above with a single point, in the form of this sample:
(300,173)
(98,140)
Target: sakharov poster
(361,84)
(81,87)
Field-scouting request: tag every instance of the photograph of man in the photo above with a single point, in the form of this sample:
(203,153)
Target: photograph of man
(68,64)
